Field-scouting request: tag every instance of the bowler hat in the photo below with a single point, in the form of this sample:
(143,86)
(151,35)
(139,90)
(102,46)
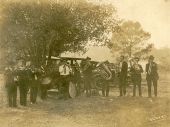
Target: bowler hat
(137,58)
(10,62)
(63,60)
(106,61)
(151,57)
(88,58)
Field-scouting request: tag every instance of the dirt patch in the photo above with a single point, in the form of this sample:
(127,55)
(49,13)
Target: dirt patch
(95,111)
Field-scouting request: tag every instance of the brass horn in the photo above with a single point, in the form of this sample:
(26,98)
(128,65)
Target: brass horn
(104,71)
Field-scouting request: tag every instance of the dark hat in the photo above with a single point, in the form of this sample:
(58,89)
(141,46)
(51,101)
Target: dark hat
(10,62)
(63,60)
(151,57)
(122,56)
(20,58)
(106,61)
(137,58)
(88,58)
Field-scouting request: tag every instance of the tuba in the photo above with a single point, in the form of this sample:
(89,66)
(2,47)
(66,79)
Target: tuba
(103,71)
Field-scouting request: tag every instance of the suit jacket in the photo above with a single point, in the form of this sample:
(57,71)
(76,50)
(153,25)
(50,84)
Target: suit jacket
(154,71)
(136,73)
(124,70)
(9,78)
(87,69)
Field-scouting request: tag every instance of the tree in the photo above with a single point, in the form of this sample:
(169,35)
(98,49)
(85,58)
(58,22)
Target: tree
(162,58)
(130,40)
(39,27)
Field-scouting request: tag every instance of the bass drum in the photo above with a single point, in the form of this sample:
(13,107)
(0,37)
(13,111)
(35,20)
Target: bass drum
(46,81)
(72,89)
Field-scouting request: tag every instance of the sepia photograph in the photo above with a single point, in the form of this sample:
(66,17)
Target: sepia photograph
(84,63)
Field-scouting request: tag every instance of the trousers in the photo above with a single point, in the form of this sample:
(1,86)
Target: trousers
(105,89)
(122,85)
(12,95)
(150,82)
(23,88)
(136,80)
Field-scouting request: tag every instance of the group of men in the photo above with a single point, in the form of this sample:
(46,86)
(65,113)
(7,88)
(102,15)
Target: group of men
(26,79)
(67,73)
(77,74)
(136,70)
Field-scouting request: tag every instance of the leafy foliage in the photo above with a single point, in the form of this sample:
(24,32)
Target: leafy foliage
(162,58)
(39,27)
(130,40)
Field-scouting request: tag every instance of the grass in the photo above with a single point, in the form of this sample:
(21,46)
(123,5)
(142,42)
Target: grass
(96,111)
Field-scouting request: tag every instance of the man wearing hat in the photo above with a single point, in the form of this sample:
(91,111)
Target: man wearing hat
(87,73)
(136,70)
(65,71)
(105,86)
(23,82)
(123,65)
(34,83)
(151,75)
(11,86)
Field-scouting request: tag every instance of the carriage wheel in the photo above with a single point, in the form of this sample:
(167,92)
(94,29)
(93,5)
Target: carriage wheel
(98,83)
(72,89)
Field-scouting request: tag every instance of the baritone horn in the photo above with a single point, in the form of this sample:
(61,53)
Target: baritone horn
(104,71)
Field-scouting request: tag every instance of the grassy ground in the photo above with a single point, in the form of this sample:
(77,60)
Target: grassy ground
(95,111)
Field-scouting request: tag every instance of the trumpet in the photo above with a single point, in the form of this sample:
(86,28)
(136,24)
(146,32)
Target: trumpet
(86,66)
(131,61)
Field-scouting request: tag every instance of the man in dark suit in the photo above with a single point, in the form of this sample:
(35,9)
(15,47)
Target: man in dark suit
(23,84)
(11,86)
(136,70)
(151,75)
(87,73)
(34,84)
(123,75)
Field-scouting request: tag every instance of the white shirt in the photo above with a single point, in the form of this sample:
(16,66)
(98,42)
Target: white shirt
(150,68)
(64,70)
(120,66)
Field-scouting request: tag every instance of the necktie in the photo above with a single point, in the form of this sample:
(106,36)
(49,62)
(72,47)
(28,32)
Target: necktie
(150,67)
(35,77)
(64,69)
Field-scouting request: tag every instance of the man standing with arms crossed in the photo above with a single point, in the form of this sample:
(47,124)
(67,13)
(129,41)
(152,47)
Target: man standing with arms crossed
(152,75)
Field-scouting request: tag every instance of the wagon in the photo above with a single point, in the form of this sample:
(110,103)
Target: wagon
(76,83)
(51,81)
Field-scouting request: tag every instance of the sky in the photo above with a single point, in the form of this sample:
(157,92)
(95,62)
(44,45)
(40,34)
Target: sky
(153,15)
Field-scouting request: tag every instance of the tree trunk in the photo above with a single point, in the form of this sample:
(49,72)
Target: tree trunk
(49,56)
(130,50)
